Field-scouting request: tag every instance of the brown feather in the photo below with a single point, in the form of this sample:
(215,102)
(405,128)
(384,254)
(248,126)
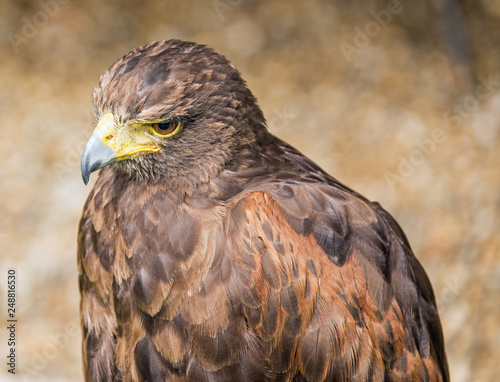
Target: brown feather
(229,256)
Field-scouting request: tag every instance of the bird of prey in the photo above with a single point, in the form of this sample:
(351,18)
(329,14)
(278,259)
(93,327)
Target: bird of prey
(210,250)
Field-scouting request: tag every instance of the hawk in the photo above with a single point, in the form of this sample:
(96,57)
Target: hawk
(210,250)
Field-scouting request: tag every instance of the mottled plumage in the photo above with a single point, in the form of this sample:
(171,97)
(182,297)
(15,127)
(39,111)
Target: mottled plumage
(227,255)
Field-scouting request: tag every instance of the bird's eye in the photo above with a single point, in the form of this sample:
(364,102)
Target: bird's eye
(166,128)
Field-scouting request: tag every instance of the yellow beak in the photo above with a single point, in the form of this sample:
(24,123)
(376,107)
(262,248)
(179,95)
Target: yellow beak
(109,144)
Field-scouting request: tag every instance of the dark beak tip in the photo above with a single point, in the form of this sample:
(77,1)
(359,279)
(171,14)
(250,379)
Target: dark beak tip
(85,179)
(86,168)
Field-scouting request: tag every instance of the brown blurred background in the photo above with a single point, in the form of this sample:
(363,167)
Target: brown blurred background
(398,99)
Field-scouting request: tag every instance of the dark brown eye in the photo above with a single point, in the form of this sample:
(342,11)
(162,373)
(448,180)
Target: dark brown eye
(166,128)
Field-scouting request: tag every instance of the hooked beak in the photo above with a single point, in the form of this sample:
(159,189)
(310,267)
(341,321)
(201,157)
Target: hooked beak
(111,143)
(95,156)
(98,152)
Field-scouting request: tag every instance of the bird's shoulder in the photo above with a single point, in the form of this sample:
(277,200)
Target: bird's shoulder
(287,207)
(309,200)
(284,185)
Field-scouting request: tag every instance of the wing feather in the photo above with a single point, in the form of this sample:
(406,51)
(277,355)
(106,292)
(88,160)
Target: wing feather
(325,284)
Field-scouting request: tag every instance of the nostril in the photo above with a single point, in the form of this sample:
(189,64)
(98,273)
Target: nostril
(109,137)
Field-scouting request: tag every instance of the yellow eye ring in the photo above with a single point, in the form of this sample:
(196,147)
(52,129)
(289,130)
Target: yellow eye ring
(166,128)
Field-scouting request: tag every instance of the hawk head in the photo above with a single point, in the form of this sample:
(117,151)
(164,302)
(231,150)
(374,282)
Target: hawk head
(170,110)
